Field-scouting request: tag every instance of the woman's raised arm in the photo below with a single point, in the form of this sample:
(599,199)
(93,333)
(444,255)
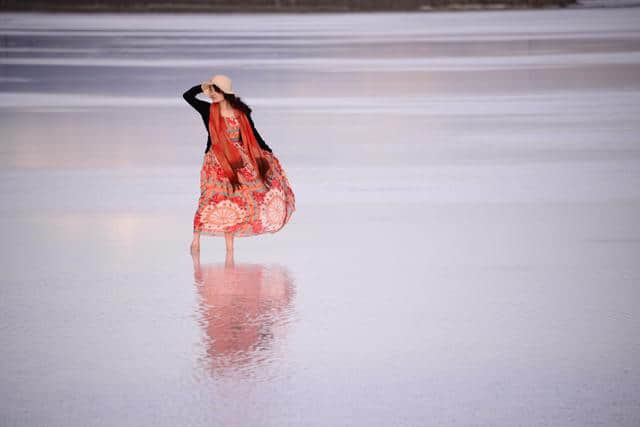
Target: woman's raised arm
(190,96)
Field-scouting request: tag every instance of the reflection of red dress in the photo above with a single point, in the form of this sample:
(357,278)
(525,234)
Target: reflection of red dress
(250,210)
(244,312)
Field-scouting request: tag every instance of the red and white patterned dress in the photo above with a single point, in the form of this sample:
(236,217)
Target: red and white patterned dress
(252,209)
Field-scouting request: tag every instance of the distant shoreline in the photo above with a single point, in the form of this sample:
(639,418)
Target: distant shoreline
(278,6)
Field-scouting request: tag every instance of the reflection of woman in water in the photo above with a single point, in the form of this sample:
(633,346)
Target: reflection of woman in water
(242,311)
(243,189)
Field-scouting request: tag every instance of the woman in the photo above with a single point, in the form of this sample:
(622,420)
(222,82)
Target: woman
(243,189)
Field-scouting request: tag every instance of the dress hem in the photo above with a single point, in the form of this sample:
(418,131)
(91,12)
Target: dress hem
(235,234)
(222,233)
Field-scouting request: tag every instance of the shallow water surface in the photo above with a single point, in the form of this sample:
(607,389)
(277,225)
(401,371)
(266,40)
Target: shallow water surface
(464,249)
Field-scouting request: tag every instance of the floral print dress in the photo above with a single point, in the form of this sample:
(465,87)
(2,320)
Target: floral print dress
(250,210)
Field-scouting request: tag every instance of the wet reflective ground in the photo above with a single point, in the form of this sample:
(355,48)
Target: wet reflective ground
(464,250)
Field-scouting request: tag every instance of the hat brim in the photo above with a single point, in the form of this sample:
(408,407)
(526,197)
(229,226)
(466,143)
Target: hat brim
(231,93)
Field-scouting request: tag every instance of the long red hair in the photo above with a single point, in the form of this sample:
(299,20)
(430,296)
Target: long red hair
(227,154)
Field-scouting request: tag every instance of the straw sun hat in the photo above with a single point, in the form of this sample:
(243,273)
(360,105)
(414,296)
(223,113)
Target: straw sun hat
(223,82)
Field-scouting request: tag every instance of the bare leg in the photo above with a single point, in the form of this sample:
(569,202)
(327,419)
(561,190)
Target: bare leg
(195,243)
(228,260)
(228,237)
(195,256)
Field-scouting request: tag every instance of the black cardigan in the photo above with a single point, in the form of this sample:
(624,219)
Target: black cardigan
(203,107)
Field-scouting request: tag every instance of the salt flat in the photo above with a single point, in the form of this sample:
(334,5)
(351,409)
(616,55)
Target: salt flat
(464,251)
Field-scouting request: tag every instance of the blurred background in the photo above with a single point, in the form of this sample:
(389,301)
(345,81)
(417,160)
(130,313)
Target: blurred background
(464,249)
